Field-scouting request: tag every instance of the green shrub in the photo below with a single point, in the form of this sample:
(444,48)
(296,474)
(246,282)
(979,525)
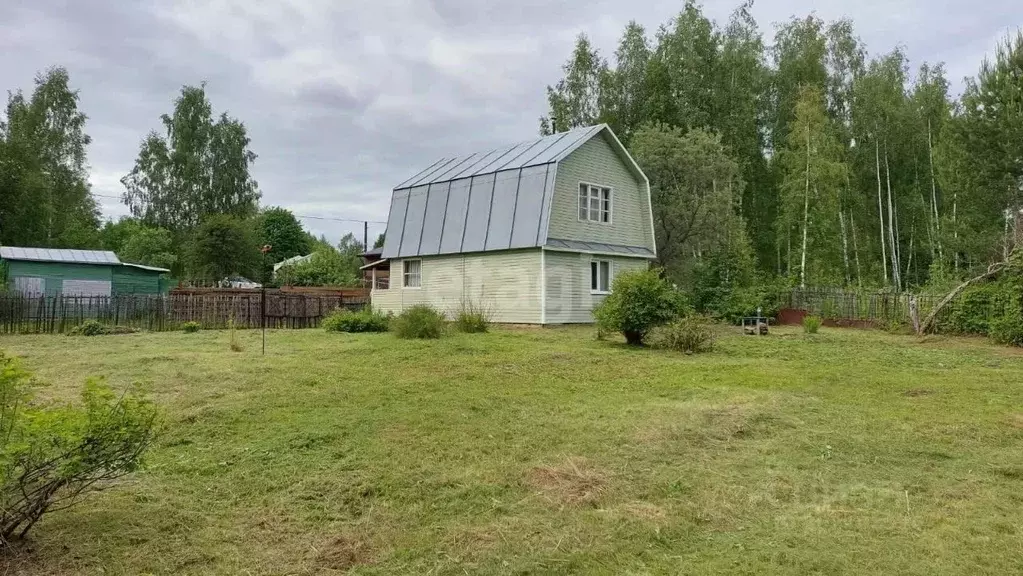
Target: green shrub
(96,328)
(639,302)
(50,457)
(691,335)
(472,318)
(419,321)
(356,321)
(191,327)
(1007,330)
(812,324)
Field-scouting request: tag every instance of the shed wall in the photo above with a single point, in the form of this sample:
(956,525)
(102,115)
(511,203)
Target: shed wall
(129,280)
(54,273)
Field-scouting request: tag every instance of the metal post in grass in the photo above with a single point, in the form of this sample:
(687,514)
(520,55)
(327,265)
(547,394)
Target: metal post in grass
(262,297)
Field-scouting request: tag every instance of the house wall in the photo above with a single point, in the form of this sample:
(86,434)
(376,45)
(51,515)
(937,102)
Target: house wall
(507,283)
(55,273)
(569,299)
(595,162)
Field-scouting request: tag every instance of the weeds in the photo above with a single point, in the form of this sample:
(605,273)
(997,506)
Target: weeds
(419,322)
(812,324)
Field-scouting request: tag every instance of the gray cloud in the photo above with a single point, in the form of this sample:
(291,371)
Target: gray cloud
(344,99)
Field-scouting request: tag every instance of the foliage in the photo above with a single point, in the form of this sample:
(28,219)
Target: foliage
(418,322)
(689,335)
(473,317)
(96,328)
(199,168)
(356,321)
(639,302)
(45,197)
(812,324)
(149,246)
(326,267)
(279,229)
(191,327)
(52,457)
(379,242)
(224,246)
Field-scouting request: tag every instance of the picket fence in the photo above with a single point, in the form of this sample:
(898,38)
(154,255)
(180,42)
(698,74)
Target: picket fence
(878,308)
(212,309)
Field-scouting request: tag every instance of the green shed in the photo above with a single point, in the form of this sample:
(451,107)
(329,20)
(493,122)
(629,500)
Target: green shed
(52,272)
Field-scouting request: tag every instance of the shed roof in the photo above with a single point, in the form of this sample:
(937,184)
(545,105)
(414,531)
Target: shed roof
(494,200)
(60,255)
(147,268)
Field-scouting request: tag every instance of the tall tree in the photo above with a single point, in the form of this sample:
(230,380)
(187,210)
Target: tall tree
(575,100)
(279,229)
(813,175)
(683,71)
(625,91)
(45,198)
(199,167)
(224,246)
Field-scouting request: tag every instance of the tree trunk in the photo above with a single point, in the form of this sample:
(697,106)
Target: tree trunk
(992,270)
(856,251)
(806,213)
(880,206)
(845,248)
(909,263)
(934,191)
(892,242)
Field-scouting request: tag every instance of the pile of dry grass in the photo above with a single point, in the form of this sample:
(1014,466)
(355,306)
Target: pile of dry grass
(574,482)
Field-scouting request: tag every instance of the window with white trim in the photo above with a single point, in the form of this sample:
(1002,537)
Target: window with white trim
(594,203)
(600,276)
(412,273)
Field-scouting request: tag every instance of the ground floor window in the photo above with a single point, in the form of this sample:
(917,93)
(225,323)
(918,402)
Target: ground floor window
(600,276)
(412,273)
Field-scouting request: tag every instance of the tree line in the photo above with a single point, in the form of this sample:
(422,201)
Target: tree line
(195,208)
(805,160)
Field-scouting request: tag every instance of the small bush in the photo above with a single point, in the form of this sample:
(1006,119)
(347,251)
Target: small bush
(1007,330)
(50,457)
(365,320)
(96,328)
(190,327)
(420,321)
(472,318)
(812,324)
(639,302)
(691,335)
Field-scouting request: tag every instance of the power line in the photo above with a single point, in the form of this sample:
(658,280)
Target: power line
(296,215)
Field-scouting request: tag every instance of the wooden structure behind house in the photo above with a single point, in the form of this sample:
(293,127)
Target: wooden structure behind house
(59,272)
(534,232)
(376,272)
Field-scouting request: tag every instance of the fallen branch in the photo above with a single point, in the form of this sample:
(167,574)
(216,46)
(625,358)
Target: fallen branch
(928,323)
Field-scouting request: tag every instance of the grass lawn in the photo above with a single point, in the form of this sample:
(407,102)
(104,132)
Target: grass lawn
(547,452)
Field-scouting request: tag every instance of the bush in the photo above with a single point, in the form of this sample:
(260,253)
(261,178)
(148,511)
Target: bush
(472,318)
(812,324)
(51,457)
(190,327)
(96,328)
(639,302)
(1007,330)
(365,320)
(420,321)
(691,335)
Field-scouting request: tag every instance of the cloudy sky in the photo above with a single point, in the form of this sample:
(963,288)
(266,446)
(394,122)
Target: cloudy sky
(345,98)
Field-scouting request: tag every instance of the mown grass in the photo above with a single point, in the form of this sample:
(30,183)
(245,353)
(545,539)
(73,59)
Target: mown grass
(547,452)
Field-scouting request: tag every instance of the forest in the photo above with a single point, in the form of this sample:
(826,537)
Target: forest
(806,159)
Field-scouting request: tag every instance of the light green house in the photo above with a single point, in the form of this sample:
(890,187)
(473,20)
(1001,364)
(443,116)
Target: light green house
(53,272)
(534,232)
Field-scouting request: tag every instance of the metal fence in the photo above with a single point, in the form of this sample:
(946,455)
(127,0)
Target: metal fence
(210,308)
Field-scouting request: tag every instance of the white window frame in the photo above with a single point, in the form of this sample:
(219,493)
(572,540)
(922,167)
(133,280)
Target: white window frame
(595,265)
(407,275)
(595,192)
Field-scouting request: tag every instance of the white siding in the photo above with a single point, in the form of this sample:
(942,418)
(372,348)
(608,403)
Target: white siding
(507,283)
(569,300)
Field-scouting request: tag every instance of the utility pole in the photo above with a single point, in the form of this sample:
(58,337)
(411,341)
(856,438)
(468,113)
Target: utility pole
(365,236)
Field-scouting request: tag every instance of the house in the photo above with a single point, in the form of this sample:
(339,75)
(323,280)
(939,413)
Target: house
(376,272)
(56,272)
(534,232)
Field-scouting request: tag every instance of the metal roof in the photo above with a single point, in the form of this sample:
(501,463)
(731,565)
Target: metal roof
(495,200)
(144,267)
(59,255)
(600,248)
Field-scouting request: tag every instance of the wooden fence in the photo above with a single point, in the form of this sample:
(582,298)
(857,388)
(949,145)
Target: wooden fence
(210,308)
(877,308)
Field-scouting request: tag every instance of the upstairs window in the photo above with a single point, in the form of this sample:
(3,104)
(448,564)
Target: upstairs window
(600,276)
(412,273)
(594,203)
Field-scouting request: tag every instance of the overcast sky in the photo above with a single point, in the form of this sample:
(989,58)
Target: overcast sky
(344,99)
